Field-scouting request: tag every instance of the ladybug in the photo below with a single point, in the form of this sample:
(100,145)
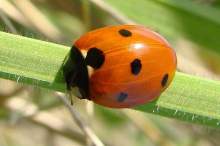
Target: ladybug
(120,66)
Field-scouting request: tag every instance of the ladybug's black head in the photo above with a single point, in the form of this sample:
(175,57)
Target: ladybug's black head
(76,73)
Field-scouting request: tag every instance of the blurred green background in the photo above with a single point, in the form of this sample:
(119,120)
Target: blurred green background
(33,116)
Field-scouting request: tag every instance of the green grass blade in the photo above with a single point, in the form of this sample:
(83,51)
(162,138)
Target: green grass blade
(31,61)
(189,98)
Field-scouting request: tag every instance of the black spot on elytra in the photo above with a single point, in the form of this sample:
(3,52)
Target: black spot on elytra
(136,66)
(95,58)
(122,96)
(164,80)
(125,33)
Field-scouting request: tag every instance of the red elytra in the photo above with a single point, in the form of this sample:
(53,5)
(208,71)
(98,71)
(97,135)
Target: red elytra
(131,64)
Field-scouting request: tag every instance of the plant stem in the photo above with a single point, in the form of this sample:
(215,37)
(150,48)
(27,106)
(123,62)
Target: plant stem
(79,121)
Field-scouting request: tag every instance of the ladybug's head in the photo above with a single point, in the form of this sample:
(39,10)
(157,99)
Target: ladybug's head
(76,73)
